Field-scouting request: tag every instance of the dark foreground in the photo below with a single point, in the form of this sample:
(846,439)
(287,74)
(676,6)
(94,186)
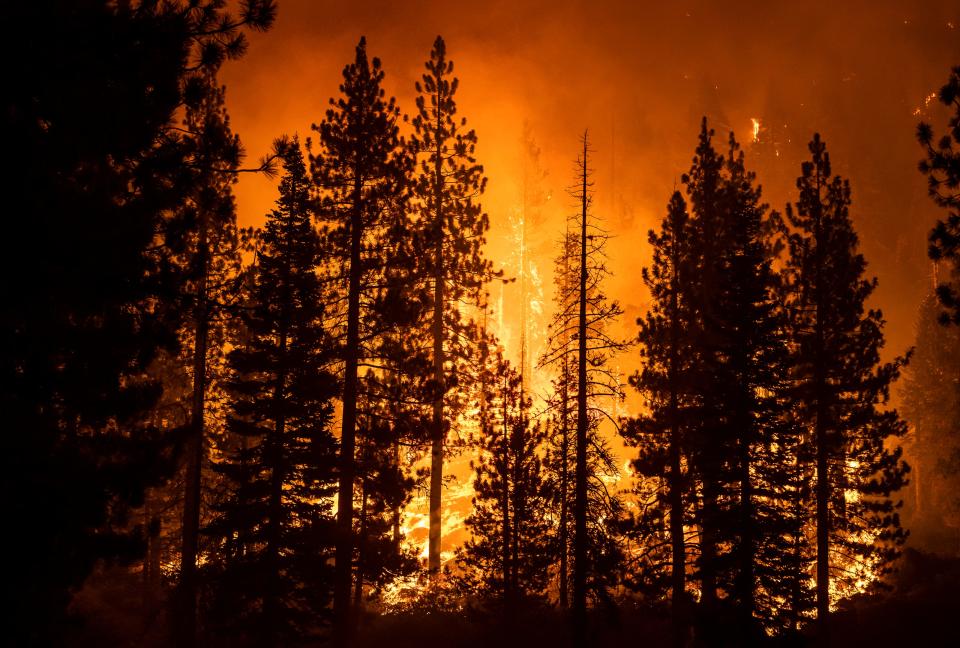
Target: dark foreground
(921,609)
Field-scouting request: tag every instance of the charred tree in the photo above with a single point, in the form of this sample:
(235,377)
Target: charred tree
(580,349)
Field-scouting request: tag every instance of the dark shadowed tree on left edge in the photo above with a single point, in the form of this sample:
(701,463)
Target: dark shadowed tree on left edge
(93,113)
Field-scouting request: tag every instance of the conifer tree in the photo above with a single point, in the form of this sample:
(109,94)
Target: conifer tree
(559,458)
(93,106)
(451,230)
(664,383)
(210,259)
(278,519)
(508,556)
(581,344)
(942,169)
(361,169)
(738,360)
(841,387)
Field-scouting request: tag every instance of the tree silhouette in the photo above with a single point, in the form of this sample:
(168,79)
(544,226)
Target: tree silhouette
(664,382)
(930,401)
(361,169)
(507,558)
(942,169)
(580,341)
(93,109)
(452,227)
(210,261)
(277,522)
(841,386)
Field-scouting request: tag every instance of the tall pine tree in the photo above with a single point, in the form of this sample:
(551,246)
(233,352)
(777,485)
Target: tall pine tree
(451,230)
(664,383)
(361,169)
(841,387)
(737,352)
(580,348)
(278,519)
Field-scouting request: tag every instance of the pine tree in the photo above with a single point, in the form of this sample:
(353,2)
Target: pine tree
(739,357)
(210,260)
(664,382)
(841,387)
(580,343)
(452,228)
(92,105)
(559,457)
(278,520)
(509,553)
(942,168)
(361,170)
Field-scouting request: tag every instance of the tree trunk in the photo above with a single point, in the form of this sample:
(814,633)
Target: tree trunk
(823,474)
(344,551)
(194,453)
(708,555)
(358,586)
(746,548)
(580,505)
(436,451)
(397,513)
(675,495)
(564,486)
(271,603)
(504,471)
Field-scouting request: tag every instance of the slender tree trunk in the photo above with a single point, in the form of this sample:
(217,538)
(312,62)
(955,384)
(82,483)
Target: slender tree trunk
(395,522)
(580,505)
(823,474)
(151,559)
(708,555)
(344,551)
(506,540)
(798,576)
(564,486)
(271,603)
(436,450)
(675,495)
(746,547)
(517,502)
(194,452)
(358,586)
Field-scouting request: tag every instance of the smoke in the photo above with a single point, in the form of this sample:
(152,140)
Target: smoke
(640,76)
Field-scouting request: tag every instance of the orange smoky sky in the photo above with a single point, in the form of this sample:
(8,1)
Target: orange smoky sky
(638,75)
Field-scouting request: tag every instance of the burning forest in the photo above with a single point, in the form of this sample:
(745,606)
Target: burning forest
(589,324)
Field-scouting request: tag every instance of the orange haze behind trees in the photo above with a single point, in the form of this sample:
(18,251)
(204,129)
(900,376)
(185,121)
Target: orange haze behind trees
(639,76)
